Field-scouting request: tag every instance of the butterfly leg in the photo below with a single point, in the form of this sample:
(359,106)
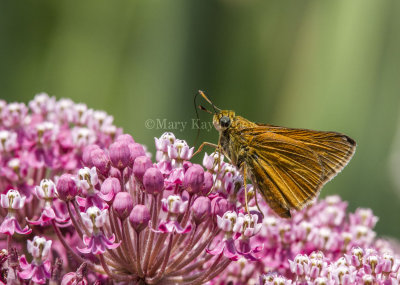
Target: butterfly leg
(203,145)
(258,207)
(245,188)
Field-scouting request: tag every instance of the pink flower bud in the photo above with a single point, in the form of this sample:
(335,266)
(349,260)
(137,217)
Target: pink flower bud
(114,172)
(139,217)
(120,154)
(136,150)
(194,178)
(219,206)
(66,187)
(208,183)
(86,156)
(201,209)
(100,160)
(125,138)
(123,205)
(153,181)
(141,164)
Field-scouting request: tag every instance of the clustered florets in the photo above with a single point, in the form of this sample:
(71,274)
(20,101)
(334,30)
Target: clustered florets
(92,196)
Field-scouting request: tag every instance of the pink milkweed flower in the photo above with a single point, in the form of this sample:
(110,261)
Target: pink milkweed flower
(94,219)
(272,278)
(83,136)
(8,141)
(13,114)
(39,270)
(210,162)
(248,226)
(42,104)
(167,139)
(343,274)
(227,223)
(356,257)
(12,201)
(100,120)
(179,152)
(47,192)
(88,177)
(300,265)
(363,217)
(174,179)
(174,206)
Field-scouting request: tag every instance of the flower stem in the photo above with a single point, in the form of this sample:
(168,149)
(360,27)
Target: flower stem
(112,275)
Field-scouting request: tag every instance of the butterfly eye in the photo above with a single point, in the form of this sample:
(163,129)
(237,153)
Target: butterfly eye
(224,121)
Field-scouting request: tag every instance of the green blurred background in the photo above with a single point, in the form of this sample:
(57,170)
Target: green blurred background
(324,65)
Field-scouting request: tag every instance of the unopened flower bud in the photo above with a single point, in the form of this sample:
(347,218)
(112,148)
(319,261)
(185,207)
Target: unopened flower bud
(123,205)
(114,172)
(66,187)
(120,154)
(194,178)
(201,209)
(125,138)
(139,217)
(219,206)
(86,156)
(153,181)
(208,183)
(136,150)
(141,164)
(100,160)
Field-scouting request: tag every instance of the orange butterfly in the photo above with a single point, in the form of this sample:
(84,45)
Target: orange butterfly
(287,166)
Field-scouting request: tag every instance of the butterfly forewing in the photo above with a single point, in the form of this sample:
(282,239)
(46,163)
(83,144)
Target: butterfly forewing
(333,149)
(290,166)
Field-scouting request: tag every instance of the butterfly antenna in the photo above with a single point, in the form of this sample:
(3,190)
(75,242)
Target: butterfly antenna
(216,109)
(197,116)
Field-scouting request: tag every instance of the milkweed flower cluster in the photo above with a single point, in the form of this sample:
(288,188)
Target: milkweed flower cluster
(317,246)
(95,208)
(358,267)
(39,141)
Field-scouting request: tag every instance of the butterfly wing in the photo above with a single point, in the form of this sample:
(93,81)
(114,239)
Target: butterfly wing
(290,166)
(333,149)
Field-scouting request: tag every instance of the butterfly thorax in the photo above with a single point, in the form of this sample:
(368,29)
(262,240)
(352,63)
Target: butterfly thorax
(231,139)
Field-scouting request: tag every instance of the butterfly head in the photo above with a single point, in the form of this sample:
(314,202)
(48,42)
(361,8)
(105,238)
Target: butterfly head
(223,119)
